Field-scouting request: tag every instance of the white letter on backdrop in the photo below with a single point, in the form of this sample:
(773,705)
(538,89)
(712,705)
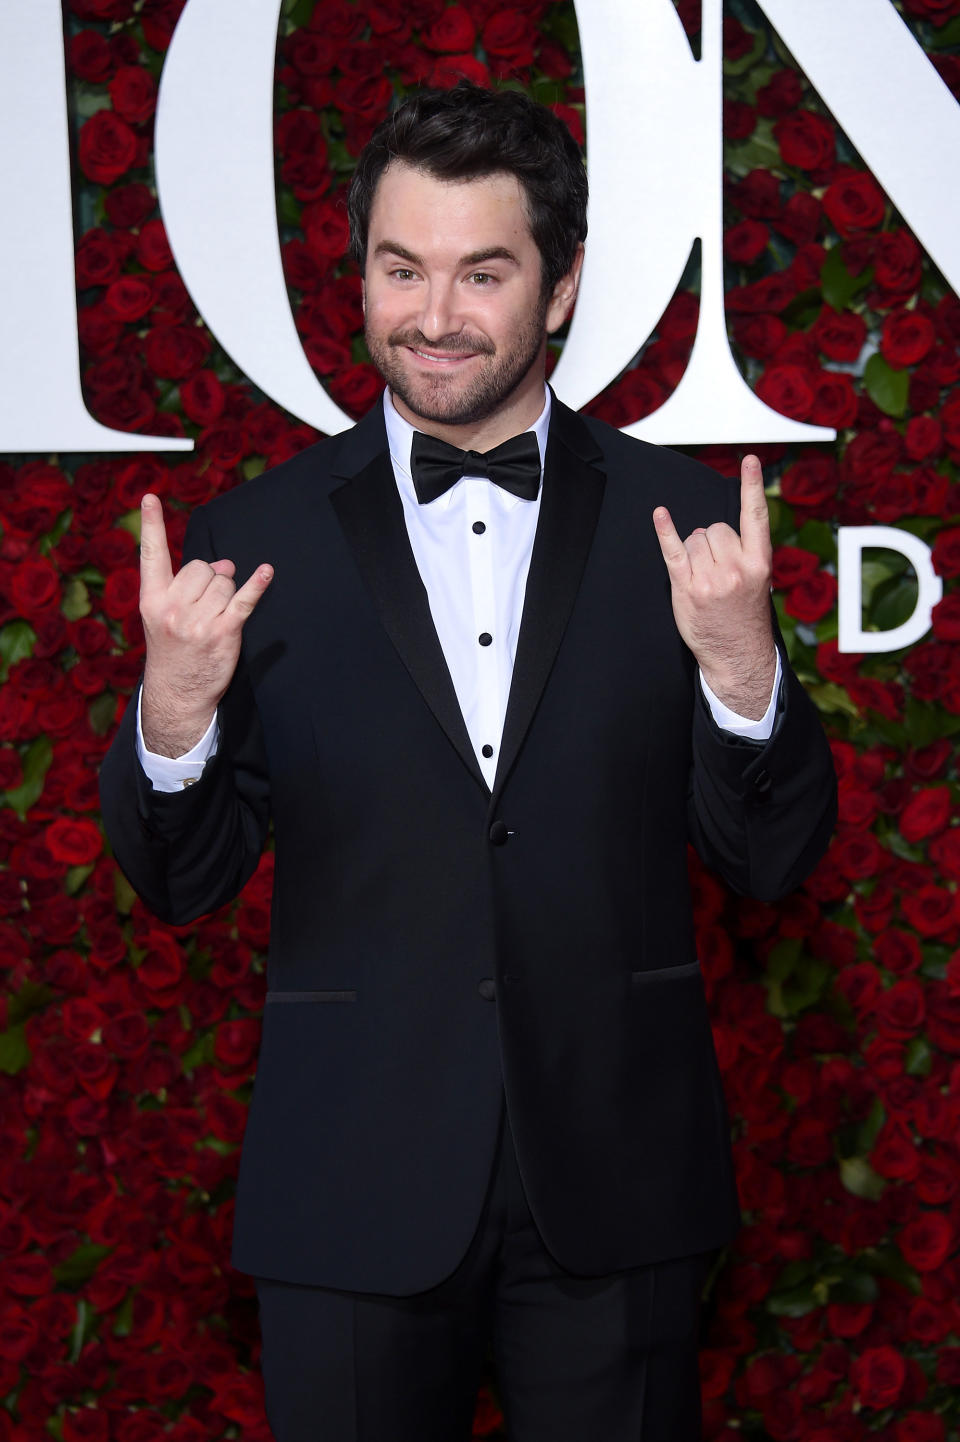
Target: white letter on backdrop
(655,157)
(851,542)
(892,105)
(214,161)
(41,403)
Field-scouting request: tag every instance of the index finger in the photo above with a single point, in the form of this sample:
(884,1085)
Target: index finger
(155,567)
(754,515)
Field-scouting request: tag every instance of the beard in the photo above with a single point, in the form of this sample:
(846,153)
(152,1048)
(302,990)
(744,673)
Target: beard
(443,399)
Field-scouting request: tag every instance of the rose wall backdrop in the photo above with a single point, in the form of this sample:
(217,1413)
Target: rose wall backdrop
(127,1047)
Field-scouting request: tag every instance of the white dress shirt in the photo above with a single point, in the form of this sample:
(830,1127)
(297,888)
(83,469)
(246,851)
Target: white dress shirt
(472,546)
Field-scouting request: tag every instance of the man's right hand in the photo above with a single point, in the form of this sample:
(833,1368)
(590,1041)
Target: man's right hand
(192,621)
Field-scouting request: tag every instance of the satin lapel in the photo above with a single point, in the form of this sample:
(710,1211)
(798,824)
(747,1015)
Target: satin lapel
(371,515)
(572,493)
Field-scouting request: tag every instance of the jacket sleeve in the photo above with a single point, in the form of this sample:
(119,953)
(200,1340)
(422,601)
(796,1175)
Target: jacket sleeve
(187,852)
(761,813)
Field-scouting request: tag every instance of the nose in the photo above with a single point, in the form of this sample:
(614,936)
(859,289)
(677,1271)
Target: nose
(438,314)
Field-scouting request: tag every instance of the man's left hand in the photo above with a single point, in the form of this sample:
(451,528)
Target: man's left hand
(720,585)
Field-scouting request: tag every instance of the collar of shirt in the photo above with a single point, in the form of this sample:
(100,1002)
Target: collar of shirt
(400,439)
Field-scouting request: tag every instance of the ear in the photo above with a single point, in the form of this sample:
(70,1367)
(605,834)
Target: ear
(564,294)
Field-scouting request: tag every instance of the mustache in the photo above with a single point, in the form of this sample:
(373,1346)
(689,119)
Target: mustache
(452,344)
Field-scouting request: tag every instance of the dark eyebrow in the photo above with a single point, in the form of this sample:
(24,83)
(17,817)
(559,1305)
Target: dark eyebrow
(476,257)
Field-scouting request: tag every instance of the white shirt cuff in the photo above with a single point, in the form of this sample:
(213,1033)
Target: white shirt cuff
(728,720)
(173,773)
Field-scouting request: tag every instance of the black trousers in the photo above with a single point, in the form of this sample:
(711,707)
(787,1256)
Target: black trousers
(603,1359)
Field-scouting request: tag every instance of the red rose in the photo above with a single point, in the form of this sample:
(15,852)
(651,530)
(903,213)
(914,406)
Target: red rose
(745,242)
(806,140)
(449,70)
(929,909)
(907,337)
(121,593)
(34,586)
(325,227)
(739,120)
(946,618)
(236,1042)
(835,400)
(811,481)
(130,297)
(840,335)
(877,1377)
(452,31)
(175,351)
(791,564)
(926,813)
(356,388)
(107,148)
(73,840)
(759,336)
(758,194)
(900,1009)
(799,220)
(203,397)
(781,93)
(153,248)
(855,202)
(98,258)
(133,94)
(128,206)
(787,389)
(897,264)
(927,1241)
(89,56)
(508,38)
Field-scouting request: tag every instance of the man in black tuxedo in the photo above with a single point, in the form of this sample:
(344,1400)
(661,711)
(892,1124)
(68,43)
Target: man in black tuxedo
(487,695)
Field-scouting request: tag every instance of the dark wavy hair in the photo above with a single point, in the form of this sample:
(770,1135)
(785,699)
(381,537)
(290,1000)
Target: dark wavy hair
(467,133)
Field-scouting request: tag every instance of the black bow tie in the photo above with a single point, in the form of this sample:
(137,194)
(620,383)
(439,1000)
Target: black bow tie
(436,466)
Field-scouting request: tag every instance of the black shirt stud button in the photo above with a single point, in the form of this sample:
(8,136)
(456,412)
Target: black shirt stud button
(499,833)
(487,989)
(485,638)
(478,528)
(486,751)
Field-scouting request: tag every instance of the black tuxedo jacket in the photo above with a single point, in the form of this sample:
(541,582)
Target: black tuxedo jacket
(434,945)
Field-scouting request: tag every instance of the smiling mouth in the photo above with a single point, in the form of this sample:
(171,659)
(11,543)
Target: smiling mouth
(442,357)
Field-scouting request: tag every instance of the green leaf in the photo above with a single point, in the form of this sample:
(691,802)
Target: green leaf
(75,878)
(199,1054)
(758,152)
(124,894)
(918,1058)
(130,522)
(804,987)
(946,36)
(817,536)
(784,957)
(886,387)
(289,213)
(81,1264)
(796,1302)
(859,1178)
(14,1051)
(893,604)
(855,1288)
(35,767)
(76,599)
(889,1262)
(253,466)
(830,697)
(923,721)
(839,286)
(123,1317)
(101,713)
(33,996)
(871,1127)
(16,644)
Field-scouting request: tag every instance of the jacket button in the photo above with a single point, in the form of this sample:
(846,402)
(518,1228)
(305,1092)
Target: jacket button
(487,989)
(762,783)
(498,833)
